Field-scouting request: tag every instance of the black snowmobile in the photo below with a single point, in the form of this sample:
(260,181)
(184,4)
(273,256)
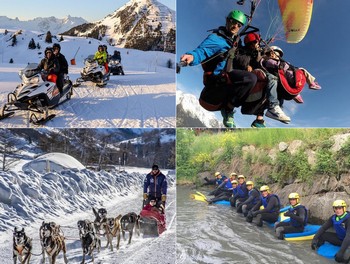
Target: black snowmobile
(36,94)
(115,67)
(92,72)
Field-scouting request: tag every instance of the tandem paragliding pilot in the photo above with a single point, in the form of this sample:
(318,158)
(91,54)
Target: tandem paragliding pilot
(155,185)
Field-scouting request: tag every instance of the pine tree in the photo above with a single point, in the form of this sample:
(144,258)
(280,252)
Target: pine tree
(11,60)
(48,38)
(38,46)
(31,44)
(6,31)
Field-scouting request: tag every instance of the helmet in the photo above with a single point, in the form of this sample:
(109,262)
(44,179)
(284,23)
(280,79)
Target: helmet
(234,182)
(237,15)
(264,188)
(100,47)
(250,183)
(233,174)
(56,45)
(337,203)
(48,49)
(276,49)
(294,196)
(217,174)
(250,37)
(240,176)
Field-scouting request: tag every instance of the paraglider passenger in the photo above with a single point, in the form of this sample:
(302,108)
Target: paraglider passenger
(225,88)
(63,65)
(298,218)
(155,185)
(340,221)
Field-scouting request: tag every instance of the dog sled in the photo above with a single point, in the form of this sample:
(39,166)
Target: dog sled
(152,223)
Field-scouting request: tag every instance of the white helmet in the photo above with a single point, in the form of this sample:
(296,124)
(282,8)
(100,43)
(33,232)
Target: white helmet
(277,49)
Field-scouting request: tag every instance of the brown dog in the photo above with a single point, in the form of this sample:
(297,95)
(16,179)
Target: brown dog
(52,242)
(113,225)
(129,222)
(22,247)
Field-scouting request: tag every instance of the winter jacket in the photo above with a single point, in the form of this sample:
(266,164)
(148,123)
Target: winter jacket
(273,65)
(155,185)
(215,44)
(63,63)
(49,65)
(101,57)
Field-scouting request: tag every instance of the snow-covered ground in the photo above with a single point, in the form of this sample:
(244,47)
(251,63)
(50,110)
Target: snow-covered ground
(28,198)
(143,97)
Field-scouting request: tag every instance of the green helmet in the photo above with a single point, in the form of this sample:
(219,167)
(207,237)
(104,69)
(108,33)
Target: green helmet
(237,15)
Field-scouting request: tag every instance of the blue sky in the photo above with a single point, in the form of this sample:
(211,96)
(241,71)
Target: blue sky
(324,52)
(90,10)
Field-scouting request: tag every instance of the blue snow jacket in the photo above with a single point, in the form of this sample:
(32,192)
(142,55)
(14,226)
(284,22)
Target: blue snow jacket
(155,185)
(216,43)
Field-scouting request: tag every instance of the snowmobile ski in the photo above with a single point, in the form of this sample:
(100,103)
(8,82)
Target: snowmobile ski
(34,119)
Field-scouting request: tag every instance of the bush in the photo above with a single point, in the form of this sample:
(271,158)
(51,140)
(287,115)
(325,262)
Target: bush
(11,60)
(170,64)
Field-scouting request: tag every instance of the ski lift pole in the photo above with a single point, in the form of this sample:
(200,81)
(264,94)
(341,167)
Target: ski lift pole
(72,61)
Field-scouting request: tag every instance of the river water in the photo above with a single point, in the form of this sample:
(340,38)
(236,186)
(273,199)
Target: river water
(217,234)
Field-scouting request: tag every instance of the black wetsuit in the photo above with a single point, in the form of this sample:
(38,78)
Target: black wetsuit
(271,211)
(253,198)
(298,215)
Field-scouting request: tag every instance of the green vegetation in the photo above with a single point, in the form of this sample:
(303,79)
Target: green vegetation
(206,150)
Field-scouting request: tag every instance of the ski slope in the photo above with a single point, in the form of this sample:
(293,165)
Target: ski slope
(143,97)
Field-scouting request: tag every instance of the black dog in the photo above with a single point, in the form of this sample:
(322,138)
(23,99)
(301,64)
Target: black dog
(84,227)
(128,222)
(89,240)
(22,246)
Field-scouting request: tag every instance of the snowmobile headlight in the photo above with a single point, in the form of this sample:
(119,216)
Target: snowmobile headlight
(34,79)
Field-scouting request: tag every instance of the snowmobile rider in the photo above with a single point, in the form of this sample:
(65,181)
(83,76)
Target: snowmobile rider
(241,192)
(340,221)
(253,198)
(116,56)
(271,210)
(298,218)
(225,88)
(101,57)
(63,65)
(155,185)
(49,64)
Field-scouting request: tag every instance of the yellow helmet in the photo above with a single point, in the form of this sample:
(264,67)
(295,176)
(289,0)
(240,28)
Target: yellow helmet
(234,182)
(294,196)
(337,203)
(250,183)
(217,174)
(264,188)
(240,176)
(233,174)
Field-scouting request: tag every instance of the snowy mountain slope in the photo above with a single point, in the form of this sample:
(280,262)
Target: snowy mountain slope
(143,97)
(42,24)
(191,114)
(139,24)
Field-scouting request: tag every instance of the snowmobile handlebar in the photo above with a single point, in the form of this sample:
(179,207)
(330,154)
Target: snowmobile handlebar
(179,65)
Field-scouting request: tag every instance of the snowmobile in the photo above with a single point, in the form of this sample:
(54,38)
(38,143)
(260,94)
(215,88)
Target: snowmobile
(115,67)
(92,72)
(36,95)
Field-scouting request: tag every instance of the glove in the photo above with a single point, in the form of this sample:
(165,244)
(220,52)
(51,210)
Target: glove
(255,213)
(163,199)
(339,258)
(314,245)
(145,196)
(206,179)
(288,213)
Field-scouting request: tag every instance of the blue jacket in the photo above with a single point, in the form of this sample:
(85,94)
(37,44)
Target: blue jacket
(242,191)
(216,43)
(155,185)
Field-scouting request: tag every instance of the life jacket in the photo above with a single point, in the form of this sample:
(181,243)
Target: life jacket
(242,190)
(265,201)
(234,191)
(256,199)
(339,225)
(295,223)
(228,185)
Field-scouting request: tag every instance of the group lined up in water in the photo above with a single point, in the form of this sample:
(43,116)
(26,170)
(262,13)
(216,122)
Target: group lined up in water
(263,205)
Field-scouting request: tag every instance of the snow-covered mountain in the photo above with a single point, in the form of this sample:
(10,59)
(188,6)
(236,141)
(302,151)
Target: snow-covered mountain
(139,24)
(42,24)
(189,113)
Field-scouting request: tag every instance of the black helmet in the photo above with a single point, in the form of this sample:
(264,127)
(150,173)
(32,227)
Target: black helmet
(115,52)
(100,46)
(56,45)
(48,49)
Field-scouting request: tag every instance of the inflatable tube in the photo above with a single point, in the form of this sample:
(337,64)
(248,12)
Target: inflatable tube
(328,250)
(308,234)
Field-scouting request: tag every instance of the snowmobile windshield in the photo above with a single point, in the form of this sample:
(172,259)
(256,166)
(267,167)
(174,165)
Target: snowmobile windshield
(31,72)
